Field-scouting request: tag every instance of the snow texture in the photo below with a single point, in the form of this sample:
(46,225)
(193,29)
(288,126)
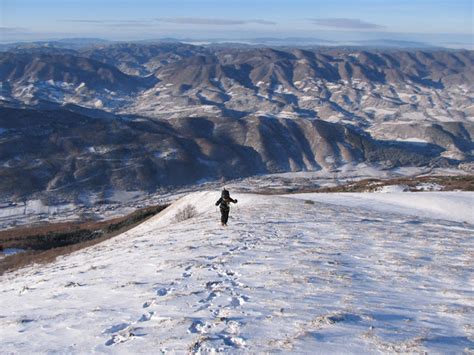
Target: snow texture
(453,206)
(393,188)
(289,274)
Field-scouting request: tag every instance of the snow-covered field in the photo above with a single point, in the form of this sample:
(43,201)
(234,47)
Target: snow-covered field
(454,206)
(292,274)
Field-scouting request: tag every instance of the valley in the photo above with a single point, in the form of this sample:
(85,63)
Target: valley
(103,124)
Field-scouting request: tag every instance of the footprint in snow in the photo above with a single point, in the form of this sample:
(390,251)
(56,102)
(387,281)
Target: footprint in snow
(116,328)
(163,291)
(148,303)
(210,285)
(210,297)
(199,327)
(125,335)
(146,317)
(234,341)
(237,302)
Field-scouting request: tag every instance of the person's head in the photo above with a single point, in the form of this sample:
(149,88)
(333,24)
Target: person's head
(225,193)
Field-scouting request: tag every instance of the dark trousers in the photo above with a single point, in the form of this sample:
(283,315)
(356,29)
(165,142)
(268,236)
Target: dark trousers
(224,215)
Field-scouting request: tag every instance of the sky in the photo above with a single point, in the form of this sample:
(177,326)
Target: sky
(437,21)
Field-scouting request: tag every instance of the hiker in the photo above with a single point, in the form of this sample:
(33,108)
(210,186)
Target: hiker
(224,203)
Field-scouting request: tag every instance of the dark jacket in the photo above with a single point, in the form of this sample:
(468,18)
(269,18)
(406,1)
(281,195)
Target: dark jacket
(225,201)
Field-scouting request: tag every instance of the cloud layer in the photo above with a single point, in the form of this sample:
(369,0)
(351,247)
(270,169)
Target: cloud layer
(346,23)
(213,21)
(195,21)
(114,23)
(8,30)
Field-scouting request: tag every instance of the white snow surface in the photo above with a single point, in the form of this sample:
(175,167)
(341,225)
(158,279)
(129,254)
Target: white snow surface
(453,206)
(393,188)
(287,274)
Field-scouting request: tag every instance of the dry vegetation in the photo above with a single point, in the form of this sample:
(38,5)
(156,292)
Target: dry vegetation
(46,242)
(187,212)
(447,183)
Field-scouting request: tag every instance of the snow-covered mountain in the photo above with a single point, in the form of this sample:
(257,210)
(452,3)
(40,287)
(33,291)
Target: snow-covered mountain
(59,155)
(365,88)
(96,119)
(288,274)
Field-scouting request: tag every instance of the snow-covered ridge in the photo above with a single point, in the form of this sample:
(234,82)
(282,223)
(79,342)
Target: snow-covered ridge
(288,274)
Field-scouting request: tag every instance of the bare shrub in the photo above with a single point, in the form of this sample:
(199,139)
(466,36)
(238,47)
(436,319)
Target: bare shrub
(187,212)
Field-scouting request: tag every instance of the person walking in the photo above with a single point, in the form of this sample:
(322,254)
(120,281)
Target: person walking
(224,204)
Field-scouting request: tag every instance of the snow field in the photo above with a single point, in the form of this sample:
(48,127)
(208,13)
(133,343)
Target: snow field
(454,206)
(287,274)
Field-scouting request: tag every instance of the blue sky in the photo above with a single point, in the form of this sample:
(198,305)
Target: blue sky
(431,20)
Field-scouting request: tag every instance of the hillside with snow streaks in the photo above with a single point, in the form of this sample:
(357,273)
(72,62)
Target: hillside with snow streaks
(79,125)
(287,274)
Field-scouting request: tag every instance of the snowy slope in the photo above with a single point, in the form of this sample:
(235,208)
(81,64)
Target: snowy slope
(452,206)
(286,274)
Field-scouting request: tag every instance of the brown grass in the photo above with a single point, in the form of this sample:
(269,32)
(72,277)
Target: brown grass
(448,183)
(187,212)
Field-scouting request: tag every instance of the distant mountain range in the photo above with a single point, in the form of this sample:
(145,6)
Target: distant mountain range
(93,117)
(78,43)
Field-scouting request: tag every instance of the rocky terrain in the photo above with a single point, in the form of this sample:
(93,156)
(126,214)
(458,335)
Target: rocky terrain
(95,119)
(357,87)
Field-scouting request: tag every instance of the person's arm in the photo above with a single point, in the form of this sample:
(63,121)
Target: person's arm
(234,201)
(219,201)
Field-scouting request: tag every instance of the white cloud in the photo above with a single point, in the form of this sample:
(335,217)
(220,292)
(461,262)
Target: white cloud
(213,21)
(346,23)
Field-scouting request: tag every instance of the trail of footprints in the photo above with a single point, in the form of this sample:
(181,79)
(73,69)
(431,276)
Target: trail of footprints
(216,315)
(224,303)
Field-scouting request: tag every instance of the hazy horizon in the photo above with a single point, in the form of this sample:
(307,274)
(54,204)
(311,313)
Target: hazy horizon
(440,23)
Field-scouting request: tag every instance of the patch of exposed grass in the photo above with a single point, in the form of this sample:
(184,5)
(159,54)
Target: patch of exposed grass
(447,183)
